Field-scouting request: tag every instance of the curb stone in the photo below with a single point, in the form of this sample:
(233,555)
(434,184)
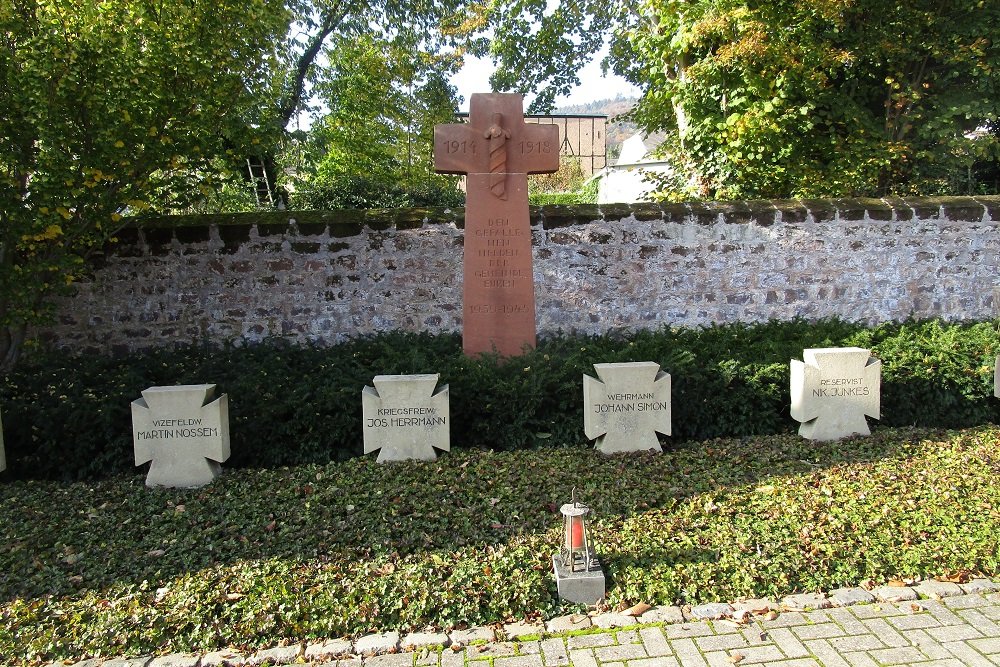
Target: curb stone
(380,650)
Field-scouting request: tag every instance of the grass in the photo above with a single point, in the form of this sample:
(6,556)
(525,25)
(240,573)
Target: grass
(260,556)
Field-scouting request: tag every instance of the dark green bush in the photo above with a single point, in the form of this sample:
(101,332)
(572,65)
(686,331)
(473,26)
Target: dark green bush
(68,417)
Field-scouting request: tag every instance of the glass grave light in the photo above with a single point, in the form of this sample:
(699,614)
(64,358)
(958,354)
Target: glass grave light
(579,577)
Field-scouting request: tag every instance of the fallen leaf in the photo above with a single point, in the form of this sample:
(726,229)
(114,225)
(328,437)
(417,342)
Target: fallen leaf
(638,609)
(735,658)
(233,597)
(896,583)
(915,607)
(271,526)
(771,615)
(456,647)
(155,553)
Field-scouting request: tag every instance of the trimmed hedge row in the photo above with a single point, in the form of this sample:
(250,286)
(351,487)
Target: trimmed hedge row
(68,417)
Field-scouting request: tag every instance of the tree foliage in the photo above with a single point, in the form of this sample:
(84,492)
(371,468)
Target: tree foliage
(782,98)
(110,109)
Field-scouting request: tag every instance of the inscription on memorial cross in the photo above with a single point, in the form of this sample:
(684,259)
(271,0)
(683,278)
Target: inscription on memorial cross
(496,150)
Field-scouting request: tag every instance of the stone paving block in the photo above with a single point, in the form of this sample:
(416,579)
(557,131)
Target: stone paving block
(712,610)
(938,610)
(927,644)
(621,652)
(89,662)
(451,658)
(991,612)
(135,662)
(568,623)
(894,593)
(901,655)
(788,643)
(385,642)
(880,610)
(914,622)
(854,643)
(554,652)
(758,606)
(518,630)
(846,597)
(330,647)
(617,663)
(860,659)
(608,621)
(887,635)
(659,661)
(968,655)
(756,636)
(655,642)
(805,602)
(966,601)
(989,645)
(721,642)
(427,657)
(978,620)
(825,653)
(954,633)
(787,619)
(176,660)
(465,637)
(663,614)
(529,648)
(590,641)
(279,655)
(797,662)
(349,662)
(846,619)
(494,650)
(935,590)
(687,653)
(627,636)
(819,631)
(519,661)
(717,659)
(687,630)
(390,660)
(582,658)
(980,586)
(752,654)
(225,658)
(416,640)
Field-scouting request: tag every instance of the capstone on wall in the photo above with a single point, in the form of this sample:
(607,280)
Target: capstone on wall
(326,276)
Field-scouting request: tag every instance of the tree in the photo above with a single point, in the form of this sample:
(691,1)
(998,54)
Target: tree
(783,98)
(374,143)
(327,33)
(106,110)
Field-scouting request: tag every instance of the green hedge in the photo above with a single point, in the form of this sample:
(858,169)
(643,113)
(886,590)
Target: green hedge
(68,417)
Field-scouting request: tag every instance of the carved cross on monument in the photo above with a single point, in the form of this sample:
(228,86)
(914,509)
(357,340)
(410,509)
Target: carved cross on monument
(497,150)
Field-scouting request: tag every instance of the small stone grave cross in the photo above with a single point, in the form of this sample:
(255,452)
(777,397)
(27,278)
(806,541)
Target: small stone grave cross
(497,150)
(183,432)
(404,418)
(625,409)
(832,391)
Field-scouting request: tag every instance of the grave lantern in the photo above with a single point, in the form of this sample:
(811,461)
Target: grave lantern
(579,577)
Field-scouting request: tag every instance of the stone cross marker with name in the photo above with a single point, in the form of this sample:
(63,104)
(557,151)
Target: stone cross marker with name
(833,390)
(625,409)
(404,418)
(497,150)
(183,432)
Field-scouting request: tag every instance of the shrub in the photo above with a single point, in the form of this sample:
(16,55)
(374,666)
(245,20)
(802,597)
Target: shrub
(67,417)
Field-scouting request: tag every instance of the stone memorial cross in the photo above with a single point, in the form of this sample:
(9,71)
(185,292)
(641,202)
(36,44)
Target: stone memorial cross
(183,432)
(497,150)
(833,390)
(625,409)
(404,418)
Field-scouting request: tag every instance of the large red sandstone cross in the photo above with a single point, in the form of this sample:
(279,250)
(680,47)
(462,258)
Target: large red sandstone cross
(497,150)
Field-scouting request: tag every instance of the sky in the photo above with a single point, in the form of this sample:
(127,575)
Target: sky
(474,78)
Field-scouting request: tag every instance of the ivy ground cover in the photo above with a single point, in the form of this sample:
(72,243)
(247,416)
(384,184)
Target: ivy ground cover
(266,555)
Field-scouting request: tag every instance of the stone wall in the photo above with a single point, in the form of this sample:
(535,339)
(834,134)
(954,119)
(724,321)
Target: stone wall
(324,276)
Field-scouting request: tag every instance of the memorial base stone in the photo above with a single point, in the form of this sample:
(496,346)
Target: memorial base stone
(582,587)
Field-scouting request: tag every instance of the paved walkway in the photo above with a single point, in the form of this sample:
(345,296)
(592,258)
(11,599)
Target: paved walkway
(955,625)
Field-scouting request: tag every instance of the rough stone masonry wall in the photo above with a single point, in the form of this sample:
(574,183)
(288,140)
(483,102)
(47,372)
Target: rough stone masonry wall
(325,276)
